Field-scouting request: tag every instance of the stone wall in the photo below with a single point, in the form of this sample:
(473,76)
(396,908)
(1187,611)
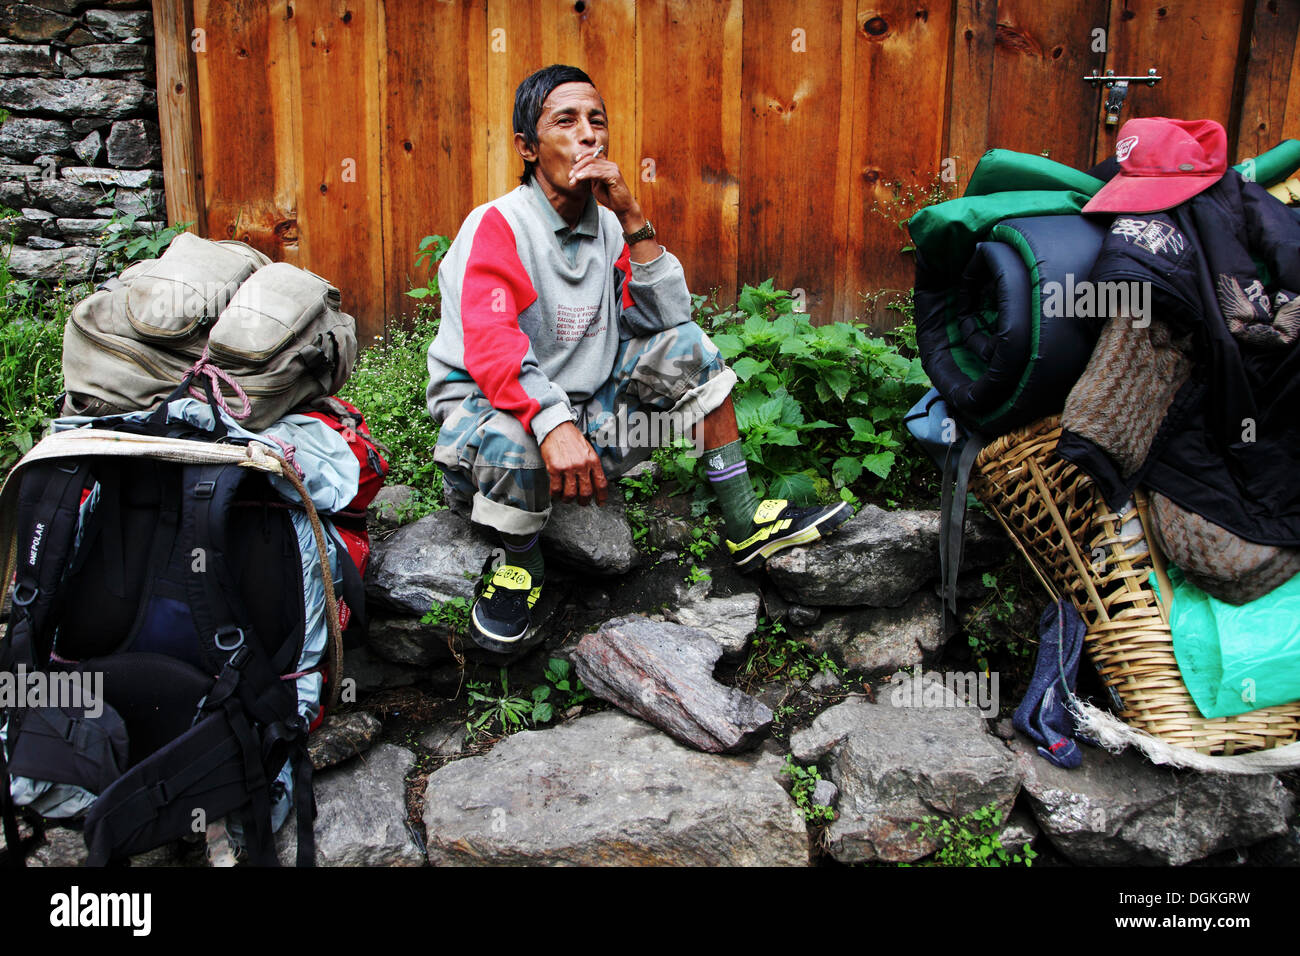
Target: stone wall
(81,142)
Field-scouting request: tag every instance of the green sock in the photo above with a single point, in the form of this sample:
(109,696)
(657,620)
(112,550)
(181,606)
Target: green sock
(525,551)
(729,476)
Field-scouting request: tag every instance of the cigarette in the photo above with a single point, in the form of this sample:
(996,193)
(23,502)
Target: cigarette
(599,150)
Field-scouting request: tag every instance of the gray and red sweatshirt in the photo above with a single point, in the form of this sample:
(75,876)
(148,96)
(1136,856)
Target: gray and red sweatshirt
(532,330)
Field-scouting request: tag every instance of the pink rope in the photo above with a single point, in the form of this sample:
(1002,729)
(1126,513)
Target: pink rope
(216,376)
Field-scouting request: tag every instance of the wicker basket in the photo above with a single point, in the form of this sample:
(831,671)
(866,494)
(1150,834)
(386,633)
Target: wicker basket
(1102,561)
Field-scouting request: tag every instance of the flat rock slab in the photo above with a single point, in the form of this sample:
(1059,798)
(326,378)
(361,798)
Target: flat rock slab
(610,790)
(340,738)
(879,558)
(360,814)
(664,673)
(1120,809)
(437,558)
(896,765)
(592,537)
(884,640)
(730,620)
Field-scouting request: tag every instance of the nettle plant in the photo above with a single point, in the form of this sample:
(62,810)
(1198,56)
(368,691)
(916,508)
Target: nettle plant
(820,408)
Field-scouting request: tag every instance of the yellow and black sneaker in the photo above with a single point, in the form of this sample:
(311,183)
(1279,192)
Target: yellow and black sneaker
(503,613)
(778,526)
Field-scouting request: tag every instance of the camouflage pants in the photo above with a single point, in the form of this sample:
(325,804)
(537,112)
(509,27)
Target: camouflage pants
(493,468)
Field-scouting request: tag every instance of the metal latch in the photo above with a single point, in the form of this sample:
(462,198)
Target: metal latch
(1118,87)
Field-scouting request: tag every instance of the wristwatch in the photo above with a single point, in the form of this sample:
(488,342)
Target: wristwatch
(645,232)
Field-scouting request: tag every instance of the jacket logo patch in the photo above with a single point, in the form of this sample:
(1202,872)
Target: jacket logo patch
(1124,147)
(1153,235)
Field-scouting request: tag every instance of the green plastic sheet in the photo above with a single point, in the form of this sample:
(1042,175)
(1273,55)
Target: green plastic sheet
(1236,658)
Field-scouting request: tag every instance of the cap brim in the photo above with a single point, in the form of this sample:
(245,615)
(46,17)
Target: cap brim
(1148,193)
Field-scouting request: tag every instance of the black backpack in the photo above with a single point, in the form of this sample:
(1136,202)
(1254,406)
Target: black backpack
(177,582)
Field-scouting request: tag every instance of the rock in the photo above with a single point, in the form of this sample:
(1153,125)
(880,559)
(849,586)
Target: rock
(37,215)
(668,534)
(17,229)
(1281,850)
(63,198)
(30,24)
(825,793)
(775,607)
(1018,830)
(1121,810)
(730,621)
(593,538)
(96,58)
(25,138)
(610,790)
(385,512)
(126,178)
(824,682)
(80,37)
(95,228)
(446,739)
(142,203)
(373,674)
(134,143)
(1005,729)
(404,640)
(895,765)
(341,737)
(120,24)
(360,814)
(62,847)
(437,558)
(879,558)
(884,640)
(74,263)
(169,854)
(86,97)
(85,124)
(40,242)
(664,673)
(87,150)
(20,59)
(801,616)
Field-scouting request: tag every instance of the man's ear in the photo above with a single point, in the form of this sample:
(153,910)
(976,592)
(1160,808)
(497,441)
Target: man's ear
(526,152)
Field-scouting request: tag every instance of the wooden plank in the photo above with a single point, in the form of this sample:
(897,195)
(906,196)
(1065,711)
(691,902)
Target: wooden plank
(790,124)
(1291,119)
(514,51)
(974,38)
(901,81)
(1268,77)
(339,211)
(178,113)
(688,108)
(240,122)
(1040,103)
(1196,45)
(430,140)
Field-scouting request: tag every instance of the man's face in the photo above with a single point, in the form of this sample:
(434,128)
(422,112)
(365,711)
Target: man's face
(572,124)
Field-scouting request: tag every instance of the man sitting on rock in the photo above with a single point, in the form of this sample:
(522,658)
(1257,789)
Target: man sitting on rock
(558,317)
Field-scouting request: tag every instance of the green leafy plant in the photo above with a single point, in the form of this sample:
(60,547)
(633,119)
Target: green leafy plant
(775,655)
(988,625)
(430,253)
(560,675)
(452,614)
(503,713)
(820,407)
(124,241)
(803,784)
(972,840)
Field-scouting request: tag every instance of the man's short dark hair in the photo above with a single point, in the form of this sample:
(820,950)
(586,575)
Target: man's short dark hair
(530,96)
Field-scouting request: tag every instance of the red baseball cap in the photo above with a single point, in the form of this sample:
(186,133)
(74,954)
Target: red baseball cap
(1163,162)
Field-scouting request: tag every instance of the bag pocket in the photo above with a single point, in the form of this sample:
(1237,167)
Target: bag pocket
(278,305)
(170,298)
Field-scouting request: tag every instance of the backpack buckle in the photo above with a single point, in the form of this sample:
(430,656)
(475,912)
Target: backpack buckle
(22,600)
(235,645)
(204,489)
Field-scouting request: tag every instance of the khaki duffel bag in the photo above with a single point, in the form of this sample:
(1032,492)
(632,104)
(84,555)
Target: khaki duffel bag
(263,337)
